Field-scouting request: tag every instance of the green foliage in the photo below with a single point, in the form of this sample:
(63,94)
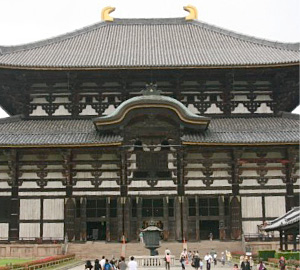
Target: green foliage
(265,254)
(288,255)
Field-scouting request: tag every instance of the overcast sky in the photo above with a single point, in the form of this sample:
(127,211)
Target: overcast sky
(23,21)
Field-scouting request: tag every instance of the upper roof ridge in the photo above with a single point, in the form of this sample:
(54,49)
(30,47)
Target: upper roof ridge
(148,21)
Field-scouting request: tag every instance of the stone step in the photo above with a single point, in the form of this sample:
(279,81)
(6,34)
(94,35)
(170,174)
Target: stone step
(93,250)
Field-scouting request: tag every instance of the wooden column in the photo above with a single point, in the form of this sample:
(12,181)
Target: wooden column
(124,194)
(180,192)
(15,202)
(166,218)
(222,231)
(291,156)
(108,219)
(285,241)
(197,233)
(177,206)
(281,240)
(294,241)
(68,172)
(120,210)
(139,218)
(83,219)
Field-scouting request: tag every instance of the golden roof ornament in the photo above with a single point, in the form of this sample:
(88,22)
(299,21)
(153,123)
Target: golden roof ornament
(193,13)
(105,14)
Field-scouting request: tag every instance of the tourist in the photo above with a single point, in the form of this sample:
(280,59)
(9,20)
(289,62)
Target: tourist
(210,236)
(196,261)
(223,258)
(182,261)
(132,265)
(141,235)
(245,265)
(215,258)
(168,261)
(282,263)
(88,265)
(201,264)
(184,254)
(107,265)
(261,266)
(122,264)
(190,256)
(235,267)
(102,262)
(208,260)
(97,265)
(167,251)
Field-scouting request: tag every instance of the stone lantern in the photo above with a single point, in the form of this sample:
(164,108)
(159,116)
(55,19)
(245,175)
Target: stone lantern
(152,238)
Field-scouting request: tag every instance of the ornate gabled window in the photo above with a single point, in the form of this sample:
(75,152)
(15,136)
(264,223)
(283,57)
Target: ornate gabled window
(152,164)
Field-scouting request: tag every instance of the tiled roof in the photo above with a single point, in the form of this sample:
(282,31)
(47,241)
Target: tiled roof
(17,131)
(292,217)
(147,43)
(249,130)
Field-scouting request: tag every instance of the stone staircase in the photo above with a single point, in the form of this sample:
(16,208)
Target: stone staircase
(93,250)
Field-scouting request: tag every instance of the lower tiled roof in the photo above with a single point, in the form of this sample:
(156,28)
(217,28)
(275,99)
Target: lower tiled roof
(15,131)
(249,130)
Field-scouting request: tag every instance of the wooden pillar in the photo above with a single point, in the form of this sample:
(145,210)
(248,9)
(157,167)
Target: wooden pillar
(120,210)
(139,217)
(286,241)
(180,192)
(83,225)
(177,205)
(197,233)
(124,194)
(108,219)
(291,156)
(166,218)
(15,202)
(68,172)
(281,240)
(222,231)
(127,215)
(294,241)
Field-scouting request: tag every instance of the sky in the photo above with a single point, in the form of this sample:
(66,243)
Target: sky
(32,20)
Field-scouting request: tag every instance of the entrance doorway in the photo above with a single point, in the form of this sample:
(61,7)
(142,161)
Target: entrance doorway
(96,231)
(207,227)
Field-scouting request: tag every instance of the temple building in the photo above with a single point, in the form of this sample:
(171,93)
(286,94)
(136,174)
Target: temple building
(130,120)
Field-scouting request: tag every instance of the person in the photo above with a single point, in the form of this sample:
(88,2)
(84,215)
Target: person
(184,253)
(196,261)
(201,264)
(167,251)
(102,262)
(88,265)
(97,265)
(260,265)
(208,260)
(107,265)
(182,261)
(223,258)
(141,237)
(215,258)
(132,265)
(282,263)
(168,261)
(122,264)
(245,265)
(189,256)
(210,236)
(235,267)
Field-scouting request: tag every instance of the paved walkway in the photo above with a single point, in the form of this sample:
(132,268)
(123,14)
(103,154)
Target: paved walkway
(176,267)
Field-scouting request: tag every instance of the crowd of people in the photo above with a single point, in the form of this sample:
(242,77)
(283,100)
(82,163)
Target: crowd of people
(113,264)
(193,258)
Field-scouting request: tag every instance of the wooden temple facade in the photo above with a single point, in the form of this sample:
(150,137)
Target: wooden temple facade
(132,120)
